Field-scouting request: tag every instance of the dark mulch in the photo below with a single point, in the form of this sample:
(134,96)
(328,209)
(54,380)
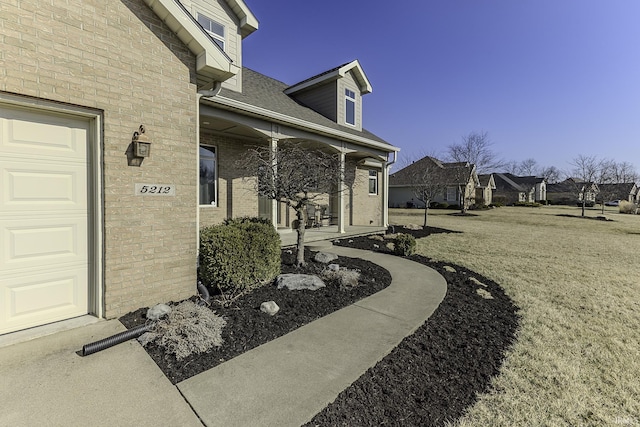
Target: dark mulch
(435,374)
(431,377)
(597,218)
(248,327)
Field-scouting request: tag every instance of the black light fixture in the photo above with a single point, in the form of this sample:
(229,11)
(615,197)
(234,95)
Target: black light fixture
(141,143)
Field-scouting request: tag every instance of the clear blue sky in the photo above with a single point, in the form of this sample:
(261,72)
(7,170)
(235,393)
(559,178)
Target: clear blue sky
(547,79)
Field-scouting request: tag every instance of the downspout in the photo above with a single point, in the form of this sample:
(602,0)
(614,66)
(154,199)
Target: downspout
(385,197)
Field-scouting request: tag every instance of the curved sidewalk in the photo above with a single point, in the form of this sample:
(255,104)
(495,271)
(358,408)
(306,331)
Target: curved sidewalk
(288,380)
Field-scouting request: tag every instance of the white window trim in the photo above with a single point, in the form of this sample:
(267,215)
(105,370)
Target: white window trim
(215,180)
(375,179)
(353,99)
(216,37)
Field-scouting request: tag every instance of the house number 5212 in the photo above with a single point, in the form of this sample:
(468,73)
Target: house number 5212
(155,190)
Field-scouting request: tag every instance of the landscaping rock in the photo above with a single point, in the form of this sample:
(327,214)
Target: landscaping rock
(158,311)
(325,257)
(333,267)
(413,227)
(269,307)
(296,282)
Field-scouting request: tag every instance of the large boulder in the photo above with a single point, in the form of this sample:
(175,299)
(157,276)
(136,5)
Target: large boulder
(296,282)
(325,257)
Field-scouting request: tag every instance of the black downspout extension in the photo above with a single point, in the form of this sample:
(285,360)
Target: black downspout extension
(105,343)
(121,337)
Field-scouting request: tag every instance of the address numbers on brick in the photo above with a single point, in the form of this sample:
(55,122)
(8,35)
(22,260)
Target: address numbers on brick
(155,189)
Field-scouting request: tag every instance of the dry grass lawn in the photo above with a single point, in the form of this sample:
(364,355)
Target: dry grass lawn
(577,358)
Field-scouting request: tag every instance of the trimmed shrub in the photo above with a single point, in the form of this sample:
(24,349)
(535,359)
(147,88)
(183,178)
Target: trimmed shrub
(241,254)
(496,204)
(528,204)
(404,244)
(439,205)
(627,207)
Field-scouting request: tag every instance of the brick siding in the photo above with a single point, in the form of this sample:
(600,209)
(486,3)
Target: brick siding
(118,57)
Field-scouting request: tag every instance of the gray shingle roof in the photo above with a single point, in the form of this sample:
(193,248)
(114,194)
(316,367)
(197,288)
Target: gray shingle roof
(268,93)
(449,173)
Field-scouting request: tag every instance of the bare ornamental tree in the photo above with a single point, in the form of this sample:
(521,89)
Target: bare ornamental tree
(585,172)
(295,175)
(475,149)
(428,182)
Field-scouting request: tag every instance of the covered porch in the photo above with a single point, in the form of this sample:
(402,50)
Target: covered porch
(288,237)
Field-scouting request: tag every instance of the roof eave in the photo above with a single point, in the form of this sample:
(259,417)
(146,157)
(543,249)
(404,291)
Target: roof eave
(299,123)
(248,22)
(211,62)
(363,83)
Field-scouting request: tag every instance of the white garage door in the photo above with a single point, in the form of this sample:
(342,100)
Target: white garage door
(43,218)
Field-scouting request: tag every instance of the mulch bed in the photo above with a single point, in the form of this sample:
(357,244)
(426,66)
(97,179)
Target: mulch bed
(248,327)
(430,378)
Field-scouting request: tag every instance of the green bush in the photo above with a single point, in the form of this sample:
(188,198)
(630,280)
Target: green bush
(497,204)
(241,254)
(439,205)
(588,203)
(404,244)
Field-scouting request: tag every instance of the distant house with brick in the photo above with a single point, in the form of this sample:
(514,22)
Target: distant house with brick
(512,189)
(485,189)
(571,191)
(456,183)
(100,215)
(622,191)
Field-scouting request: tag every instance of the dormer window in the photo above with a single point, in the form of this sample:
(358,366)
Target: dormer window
(350,107)
(215,29)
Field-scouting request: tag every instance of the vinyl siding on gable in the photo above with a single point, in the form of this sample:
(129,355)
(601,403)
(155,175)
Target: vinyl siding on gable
(321,99)
(220,12)
(348,82)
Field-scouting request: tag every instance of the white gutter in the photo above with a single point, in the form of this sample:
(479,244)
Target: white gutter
(283,118)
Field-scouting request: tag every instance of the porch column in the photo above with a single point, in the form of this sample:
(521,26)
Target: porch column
(273,145)
(341,191)
(385,194)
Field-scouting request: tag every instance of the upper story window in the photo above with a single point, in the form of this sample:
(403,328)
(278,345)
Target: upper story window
(208,176)
(350,107)
(215,29)
(451,194)
(373,182)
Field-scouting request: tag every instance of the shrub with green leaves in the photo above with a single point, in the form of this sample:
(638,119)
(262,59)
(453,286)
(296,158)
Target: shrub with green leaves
(241,254)
(404,245)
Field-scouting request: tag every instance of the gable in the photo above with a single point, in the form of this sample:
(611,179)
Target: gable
(336,93)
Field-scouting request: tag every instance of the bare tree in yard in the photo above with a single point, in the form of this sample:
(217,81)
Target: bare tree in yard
(611,179)
(551,173)
(528,167)
(294,175)
(475,148)
(428,182)
(585,173)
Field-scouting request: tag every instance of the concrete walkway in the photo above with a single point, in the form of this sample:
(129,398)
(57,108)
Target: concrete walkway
(288,380)
(282,383)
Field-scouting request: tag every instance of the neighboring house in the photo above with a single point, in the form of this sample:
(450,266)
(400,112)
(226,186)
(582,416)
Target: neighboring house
(622,191)
(570,191)
(96,219)
(485,188)
(453,182)
(511,188)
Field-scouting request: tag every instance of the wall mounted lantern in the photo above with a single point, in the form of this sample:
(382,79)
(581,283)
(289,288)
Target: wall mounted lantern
(141,143)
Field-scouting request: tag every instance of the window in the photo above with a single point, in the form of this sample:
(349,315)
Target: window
(208,176)
(373,182)
(451,194)
(350,107)
(215,30)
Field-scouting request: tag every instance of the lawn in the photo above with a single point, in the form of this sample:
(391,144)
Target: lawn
(577,358)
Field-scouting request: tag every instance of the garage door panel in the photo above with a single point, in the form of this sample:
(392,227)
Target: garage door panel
(33,300)
(43,243)
(29,185)
(29,133)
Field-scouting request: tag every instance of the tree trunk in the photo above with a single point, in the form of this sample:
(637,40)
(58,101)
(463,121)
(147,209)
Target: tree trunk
(426,212)
(301,214)
(584,203)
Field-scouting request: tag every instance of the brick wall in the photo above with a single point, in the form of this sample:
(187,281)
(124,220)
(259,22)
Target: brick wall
(365,209)
(117,56)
